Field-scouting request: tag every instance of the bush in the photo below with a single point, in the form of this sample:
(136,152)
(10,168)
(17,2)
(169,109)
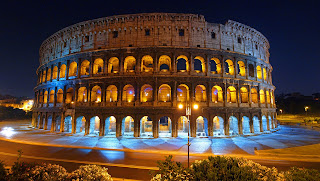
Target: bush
(19,169)
(90,172)
(301,174)
(46,172)
(3,171)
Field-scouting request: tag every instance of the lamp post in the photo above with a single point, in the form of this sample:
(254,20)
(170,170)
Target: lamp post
(306,109)
(188,114)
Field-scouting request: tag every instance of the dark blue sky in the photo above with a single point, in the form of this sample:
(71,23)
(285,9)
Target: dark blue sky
(292,28)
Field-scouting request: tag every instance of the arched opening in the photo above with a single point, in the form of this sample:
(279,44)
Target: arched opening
(110,126)
(51,97)
(251,70)
(63,71)
(45,97)
(262,97)
(49,123)
(113,66)
(268,97)
(245,125)
(85,67)
(112,93)
(128,93)
(199,64)
(43,122)
(164,63)
(264,74)
(271,126)
(259,72)
(215,66)
(49,75)
(202,127)
(256,124)
(146,94)
(82,94)
(233,126)
(241,68)
(200,93)
(68,124)
(69,95)
(183,126)
(182,93)
(231,95)
(244,95)
(217,94)
(44,74)
(129,64)
(147,64)
(229,67)
(98,66)
(146,127)
(127,127)
(60,96)
(73,69)
(264,123)
(272,97)
(254,95)
(58,124)
(218,126)
(182,64)
(55,72)
(164,93)
(94,125)
(165,128)
(81,125)
(38,122)
(96,94)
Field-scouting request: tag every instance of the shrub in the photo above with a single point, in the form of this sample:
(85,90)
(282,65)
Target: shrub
(3,171)
(19,169)
(46,172)
(301,174)
(90,172)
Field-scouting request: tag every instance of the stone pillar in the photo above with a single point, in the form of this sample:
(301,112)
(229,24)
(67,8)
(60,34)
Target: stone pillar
(67,69)
(174,93)
(208,66)
(155,92)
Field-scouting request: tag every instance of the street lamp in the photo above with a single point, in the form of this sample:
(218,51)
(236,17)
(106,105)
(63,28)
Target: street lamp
(306,109)
(188,114)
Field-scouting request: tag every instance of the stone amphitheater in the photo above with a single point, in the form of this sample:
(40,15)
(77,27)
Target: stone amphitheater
(140,75)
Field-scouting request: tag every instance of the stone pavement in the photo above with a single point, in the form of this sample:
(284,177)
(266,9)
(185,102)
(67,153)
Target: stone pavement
(290,140)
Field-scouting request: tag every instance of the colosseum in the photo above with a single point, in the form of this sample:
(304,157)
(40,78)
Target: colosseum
(147,75)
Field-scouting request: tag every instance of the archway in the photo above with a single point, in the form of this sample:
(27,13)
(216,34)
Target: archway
(217,94)
(241,68)
(231,95)
(55,72)
(264,123)
(81,125)
(200,93)
(146,94)
(164,63)
(259,72)
(73,69)
(182,64)
(60,96)
(112,94)
(127,127)
(254,95)
(271,126)
(202,127)
(233,126)
(113,66)
(82,94)
(49,75)
(165,127)
(146,127)
(164,93)
(85,65)
(68,124)
(58,124)
(218,126)
(128,93)
(49,123)
(182,93)
(244,95)
(256,124)
(229,67)
(129,64)
(69,95)
(262,97)
(63,71)
(199,64)
(215,66)
(110,126)
(183,126)
(245,125)
(98,66)
(96,94)
(38,122)
(147,64)
(94,126)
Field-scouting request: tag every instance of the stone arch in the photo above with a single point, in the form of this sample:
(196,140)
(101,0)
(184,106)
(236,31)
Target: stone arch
(82,94)
(233,126)
(147,64)
(217,94)
(164,63)
(201,126)
(264,123)
(256,124)
(49,75)
(112,93)
(268,97)
(244,95)
(49,123)
(110,126)
(55,72)
(254,95)
(45,97)
(129,64)
(146,126)
(229,67)
(98,65)
(218,126)
(262,97)
(69,95)
(44,75)
(271,126)
(264,74)
(241,68)
(165,126)
(200,93)
(63,69)
(58,124)
(38,121)
(43,121)
(60,96)
(183,126)
(215,66)
(51,96)
(182,93)
(146,94)
(113,66)
(245,125)
(96,94)
(94,126)
(231,94)
(164,93)
(127,127)
(81,125)
(251,70)
(199,64)
(68,124)
(259,72)
(85,68)
(128,94)
(73,69)
(182,64)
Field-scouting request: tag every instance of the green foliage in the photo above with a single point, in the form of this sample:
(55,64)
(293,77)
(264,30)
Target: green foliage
(301,174)
(90,173)
(46,172)
(3,172)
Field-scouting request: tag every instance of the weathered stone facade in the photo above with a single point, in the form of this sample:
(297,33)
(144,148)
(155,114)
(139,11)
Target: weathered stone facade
(146,65)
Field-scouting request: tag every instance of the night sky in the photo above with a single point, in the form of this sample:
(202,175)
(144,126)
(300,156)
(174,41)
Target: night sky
(292,28)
